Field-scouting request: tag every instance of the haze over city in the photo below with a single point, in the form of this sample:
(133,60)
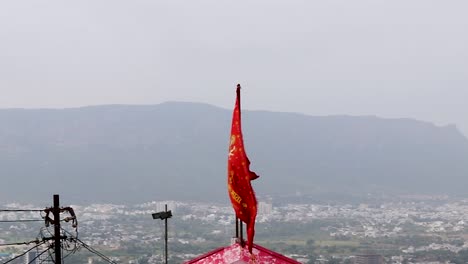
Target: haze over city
(125,114)
(394,59)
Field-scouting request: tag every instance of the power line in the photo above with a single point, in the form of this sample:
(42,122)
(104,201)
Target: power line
(70,252)
(22,210)
(66,245)
(50,256)
(20,243)
(29,220)
(57,240)
(41,232)
(21,220)
(24,253)
(94,251)
(38,255)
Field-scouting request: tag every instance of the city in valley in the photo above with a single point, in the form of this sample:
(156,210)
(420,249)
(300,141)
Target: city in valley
(400,229)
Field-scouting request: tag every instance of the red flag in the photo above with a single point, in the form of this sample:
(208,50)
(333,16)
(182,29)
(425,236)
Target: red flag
(239,176)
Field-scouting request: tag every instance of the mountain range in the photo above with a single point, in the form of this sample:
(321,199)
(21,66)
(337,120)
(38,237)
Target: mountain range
(176,150)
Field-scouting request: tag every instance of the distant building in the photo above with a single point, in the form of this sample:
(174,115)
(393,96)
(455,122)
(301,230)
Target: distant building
(265,208)
(28,258)
(31,258)
(45,258)
(368,259)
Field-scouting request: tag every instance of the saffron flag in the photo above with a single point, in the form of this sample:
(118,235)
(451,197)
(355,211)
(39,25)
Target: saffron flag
(239,176)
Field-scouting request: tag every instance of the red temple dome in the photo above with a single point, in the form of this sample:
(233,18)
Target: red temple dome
(235,254)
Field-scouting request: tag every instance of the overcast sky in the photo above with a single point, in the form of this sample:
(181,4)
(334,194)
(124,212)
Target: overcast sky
(394,58)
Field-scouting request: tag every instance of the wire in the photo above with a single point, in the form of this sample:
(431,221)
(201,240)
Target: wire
(24,253)
(50,255)
(42,235)
(75,249)
(20,220)
(94,251)
(21,210)
(38,255)
(68,232)
(66,246)
(20,243)
(69,244)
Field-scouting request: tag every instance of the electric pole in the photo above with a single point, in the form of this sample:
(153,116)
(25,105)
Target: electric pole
(57,237)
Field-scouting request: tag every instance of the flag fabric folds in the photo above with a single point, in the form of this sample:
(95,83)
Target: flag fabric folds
(240,189)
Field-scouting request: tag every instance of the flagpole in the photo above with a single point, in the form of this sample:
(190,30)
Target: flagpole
(237,219)
(239,223)
(241,234)
(238,97)
(240,190)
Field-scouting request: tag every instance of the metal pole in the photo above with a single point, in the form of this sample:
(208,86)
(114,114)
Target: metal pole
(165,222)
(57,248)
(237,227)
(241,233)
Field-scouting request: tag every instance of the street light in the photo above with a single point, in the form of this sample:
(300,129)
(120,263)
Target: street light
(164,216)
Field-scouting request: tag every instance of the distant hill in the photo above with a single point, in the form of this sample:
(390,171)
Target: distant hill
(123,153)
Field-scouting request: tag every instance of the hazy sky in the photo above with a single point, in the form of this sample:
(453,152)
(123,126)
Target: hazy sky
(392,58)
